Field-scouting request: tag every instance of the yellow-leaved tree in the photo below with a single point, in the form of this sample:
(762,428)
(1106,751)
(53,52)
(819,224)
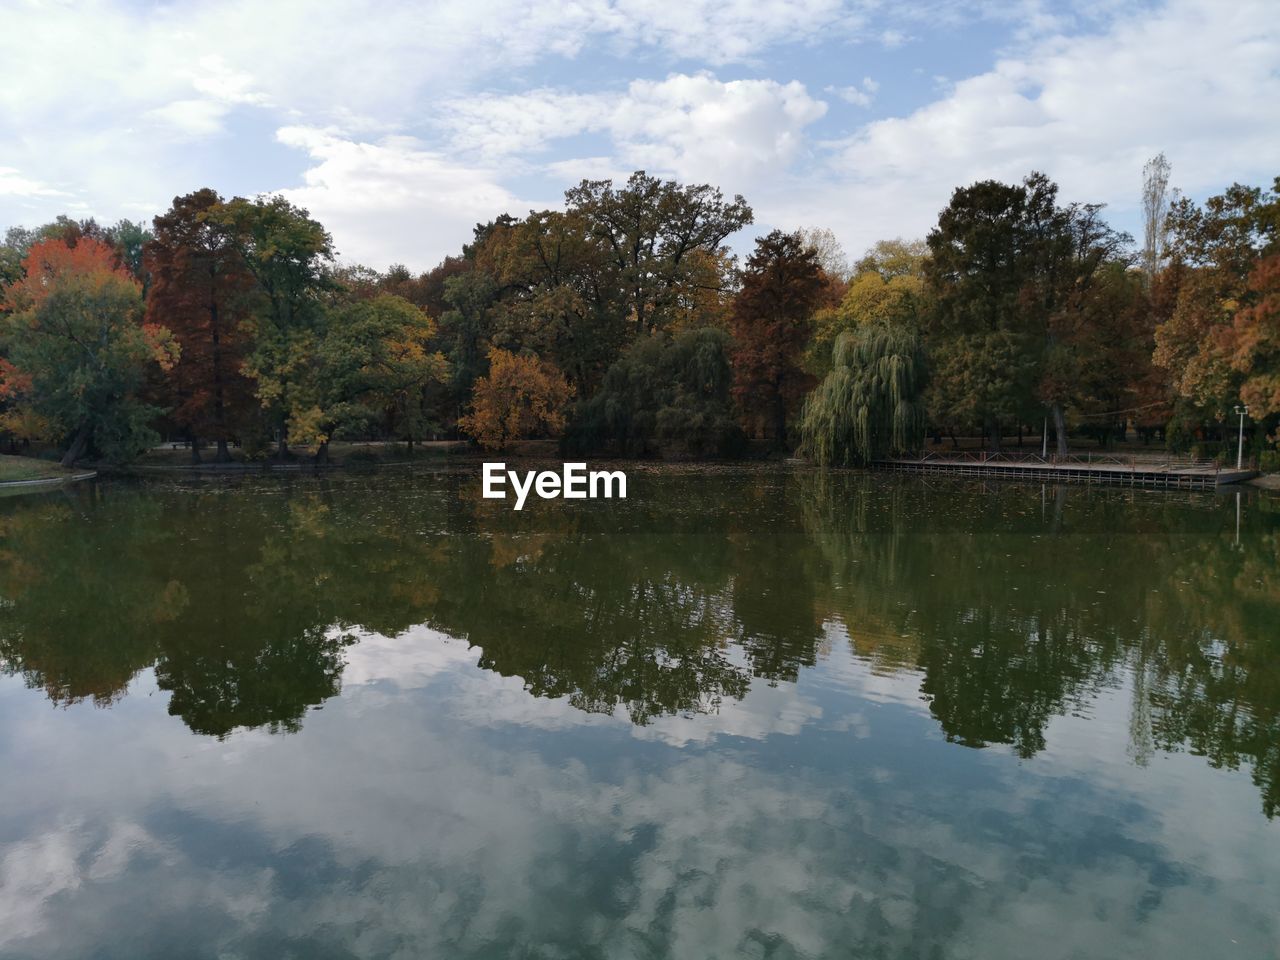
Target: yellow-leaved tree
(521,398)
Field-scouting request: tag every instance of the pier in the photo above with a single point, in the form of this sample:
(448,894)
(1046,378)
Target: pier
(1137,470)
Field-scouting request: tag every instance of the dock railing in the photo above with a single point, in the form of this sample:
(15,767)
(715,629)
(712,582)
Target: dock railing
(1134,461)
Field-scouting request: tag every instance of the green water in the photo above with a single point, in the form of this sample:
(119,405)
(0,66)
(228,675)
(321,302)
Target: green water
(740,714)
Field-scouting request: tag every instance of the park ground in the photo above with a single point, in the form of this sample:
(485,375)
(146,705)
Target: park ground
(19,469)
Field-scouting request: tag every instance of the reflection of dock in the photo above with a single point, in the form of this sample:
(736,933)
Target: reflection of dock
(1134,470)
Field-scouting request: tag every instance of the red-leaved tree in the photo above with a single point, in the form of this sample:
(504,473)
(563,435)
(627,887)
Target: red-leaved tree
(201,291)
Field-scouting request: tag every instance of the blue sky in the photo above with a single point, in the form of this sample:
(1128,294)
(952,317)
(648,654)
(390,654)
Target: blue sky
(400,125)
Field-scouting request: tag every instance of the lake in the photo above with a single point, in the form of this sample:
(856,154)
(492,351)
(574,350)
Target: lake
(743,713)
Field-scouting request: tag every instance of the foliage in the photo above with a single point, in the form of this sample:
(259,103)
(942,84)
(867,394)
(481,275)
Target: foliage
(649,230)
(77,353)
(781,287)
(201,290)
(663,395)
(870,405)
(369,362)
(286,252)
(1215,342)
(521,397)
(1252,342)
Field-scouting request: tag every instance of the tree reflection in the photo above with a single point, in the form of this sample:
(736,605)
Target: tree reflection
(1013,605)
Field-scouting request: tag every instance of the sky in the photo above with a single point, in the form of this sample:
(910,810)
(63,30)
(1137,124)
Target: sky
(401,125)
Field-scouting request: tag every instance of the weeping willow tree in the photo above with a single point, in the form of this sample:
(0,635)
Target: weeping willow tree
(869,405)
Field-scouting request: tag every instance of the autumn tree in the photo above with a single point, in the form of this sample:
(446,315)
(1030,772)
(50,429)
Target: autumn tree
(781,287)
(78,351)
(1251,342)
(202,291)
(287,254)
(887,287)
(520,398)
(557,295)
(1214,343)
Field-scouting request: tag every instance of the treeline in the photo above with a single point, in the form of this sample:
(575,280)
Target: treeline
(623,325)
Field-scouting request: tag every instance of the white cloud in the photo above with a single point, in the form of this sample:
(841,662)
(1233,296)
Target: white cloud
(14,184)
(190,118)
(694,127)
(1196,79)
(392,200)
(860,96)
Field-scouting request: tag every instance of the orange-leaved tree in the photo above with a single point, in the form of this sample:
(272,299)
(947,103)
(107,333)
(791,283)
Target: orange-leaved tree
(78,351)
(522,397)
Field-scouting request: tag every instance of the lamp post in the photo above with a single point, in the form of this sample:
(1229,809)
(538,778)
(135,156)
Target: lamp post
(1242,410)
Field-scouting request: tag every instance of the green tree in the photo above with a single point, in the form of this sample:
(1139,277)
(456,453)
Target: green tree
(650,230)
(77,350)
(870,405)
(370,362)
(287,253)
(670,396)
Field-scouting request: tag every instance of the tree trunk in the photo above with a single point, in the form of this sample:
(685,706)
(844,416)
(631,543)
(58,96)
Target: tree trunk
(223,455)
(78,445)
(322,453)
(195,446)
(1060,429)
(993,436)
(780,424)
(282,446)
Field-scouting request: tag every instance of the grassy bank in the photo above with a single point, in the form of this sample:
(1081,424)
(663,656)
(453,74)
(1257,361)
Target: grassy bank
(14,469)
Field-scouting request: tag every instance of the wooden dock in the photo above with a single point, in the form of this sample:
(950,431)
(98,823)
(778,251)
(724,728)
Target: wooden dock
(1125,470)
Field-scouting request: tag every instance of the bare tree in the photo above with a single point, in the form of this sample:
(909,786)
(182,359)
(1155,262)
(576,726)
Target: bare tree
(1155,209)
(831,256)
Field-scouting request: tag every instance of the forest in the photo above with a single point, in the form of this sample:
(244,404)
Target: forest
(627,325)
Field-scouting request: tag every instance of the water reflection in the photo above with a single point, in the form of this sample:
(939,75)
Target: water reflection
(1011,606)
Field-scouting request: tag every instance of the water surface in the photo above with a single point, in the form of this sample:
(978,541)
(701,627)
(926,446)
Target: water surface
(744,713)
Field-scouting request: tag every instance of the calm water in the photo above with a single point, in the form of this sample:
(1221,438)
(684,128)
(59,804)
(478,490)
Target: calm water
(742,714)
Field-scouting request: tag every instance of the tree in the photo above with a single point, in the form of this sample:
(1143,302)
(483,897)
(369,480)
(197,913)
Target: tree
(201,290)
(830,253)
(287,253)
(670,394)
(781,288)
(1155,211)
(1008,274)
(1087,329)
(1214,338)
(895,258)
(77,353)
(370,361)
(649,229)
(1252,341)
(521,397)
(870,405)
